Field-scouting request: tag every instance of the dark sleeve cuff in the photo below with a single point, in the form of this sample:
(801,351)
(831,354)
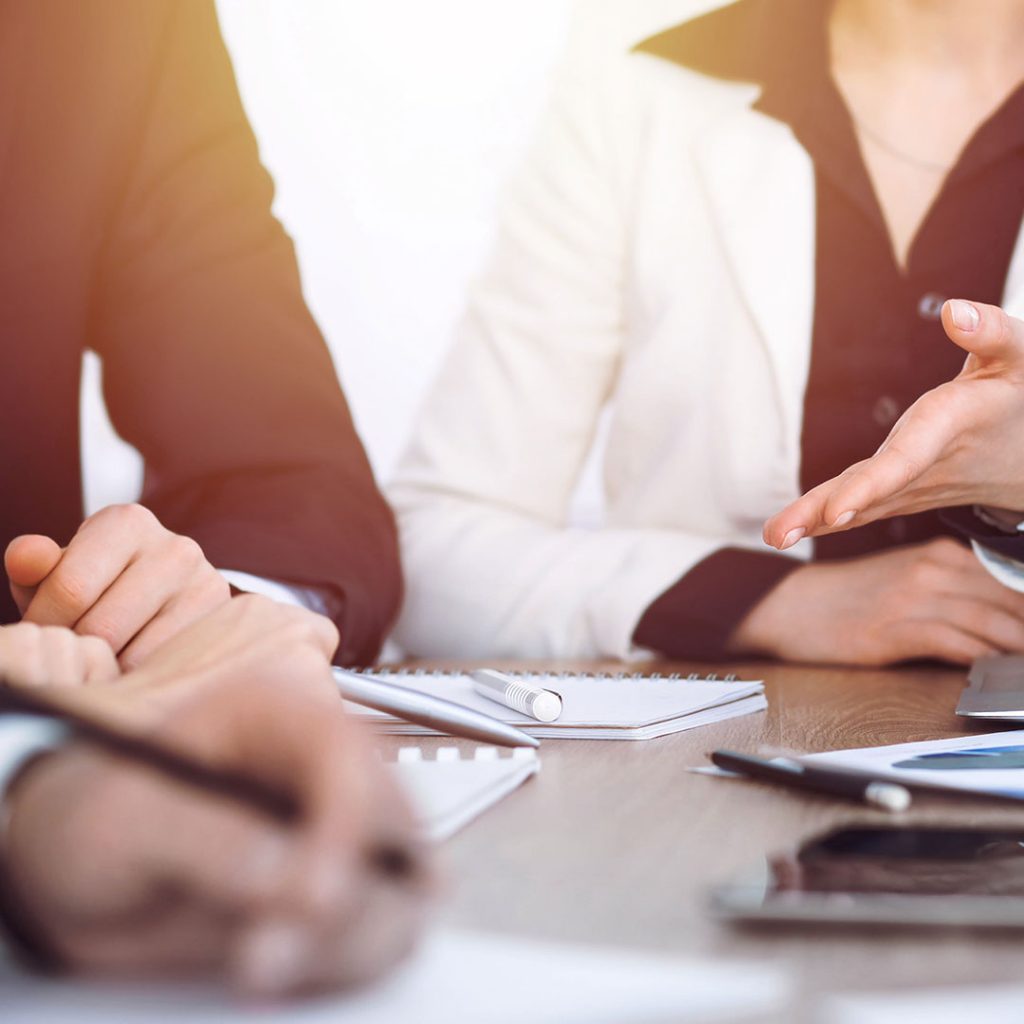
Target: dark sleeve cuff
(967,523)
(696,617)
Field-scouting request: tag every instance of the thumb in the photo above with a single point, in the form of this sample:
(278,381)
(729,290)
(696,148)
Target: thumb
(986,332)
(29,559)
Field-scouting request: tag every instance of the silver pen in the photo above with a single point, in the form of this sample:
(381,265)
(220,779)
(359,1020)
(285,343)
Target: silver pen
(527,699)
(427,710)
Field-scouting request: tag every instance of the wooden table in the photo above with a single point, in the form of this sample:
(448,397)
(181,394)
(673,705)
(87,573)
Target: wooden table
(615,843)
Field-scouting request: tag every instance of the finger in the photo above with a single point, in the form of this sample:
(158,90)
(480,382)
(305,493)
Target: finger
(28,560)
(130,603)
(100,664)
(220,852)
(104,546)
(166,834)
(219,859)
(358,937)
(335,773)
(942,640)
(348,803)
(65,664)
(984,331)
(177,615)
(317,754)
(877,487)
(22,661)
(274,959)
(960,574)
(803,517)
(993,626)
(914,447)
(975,586)
(177,940)
(83,575)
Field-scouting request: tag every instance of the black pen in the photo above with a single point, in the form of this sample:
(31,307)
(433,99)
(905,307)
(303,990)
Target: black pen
(387,857)
(888,796)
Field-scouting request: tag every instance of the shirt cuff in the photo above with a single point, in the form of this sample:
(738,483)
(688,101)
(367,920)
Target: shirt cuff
(1001,552)
(1008,571)
(697,616)
(22,738)
(284,593)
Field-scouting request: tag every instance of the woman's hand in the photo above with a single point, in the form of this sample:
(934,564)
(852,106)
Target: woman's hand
(956,445)
(32,655)
(931,600)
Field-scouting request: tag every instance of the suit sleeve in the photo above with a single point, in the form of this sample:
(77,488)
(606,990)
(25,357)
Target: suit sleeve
(494,565)
(697,616)
(213,366)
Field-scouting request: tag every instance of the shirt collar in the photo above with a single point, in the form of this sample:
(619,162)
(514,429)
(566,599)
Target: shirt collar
(780,45)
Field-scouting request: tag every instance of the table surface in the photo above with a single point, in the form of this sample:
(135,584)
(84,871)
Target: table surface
(616,843)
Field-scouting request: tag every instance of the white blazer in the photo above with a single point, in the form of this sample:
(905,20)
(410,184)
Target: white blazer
(655,259)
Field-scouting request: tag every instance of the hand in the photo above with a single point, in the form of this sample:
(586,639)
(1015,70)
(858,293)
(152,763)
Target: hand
(33,655)
(129,872)
(123,578)
(956,445)
(931,600)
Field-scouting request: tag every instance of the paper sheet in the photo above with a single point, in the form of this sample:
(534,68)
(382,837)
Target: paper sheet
(987,763)
(457,978)
(985,1004)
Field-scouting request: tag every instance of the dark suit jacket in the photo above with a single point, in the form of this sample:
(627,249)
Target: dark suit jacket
(135,220)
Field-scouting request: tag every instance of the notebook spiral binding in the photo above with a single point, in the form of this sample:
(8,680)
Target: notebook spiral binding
(451,755)
(423,673)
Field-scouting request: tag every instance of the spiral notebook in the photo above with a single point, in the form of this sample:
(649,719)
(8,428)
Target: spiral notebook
(447,790)
(600,706)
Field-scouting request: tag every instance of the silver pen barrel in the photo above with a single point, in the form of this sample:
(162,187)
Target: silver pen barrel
(432,712)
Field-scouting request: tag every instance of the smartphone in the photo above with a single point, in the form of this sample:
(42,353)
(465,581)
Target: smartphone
(916,877)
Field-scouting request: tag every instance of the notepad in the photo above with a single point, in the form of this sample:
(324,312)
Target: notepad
(447,791)
(456,977)
(603,707)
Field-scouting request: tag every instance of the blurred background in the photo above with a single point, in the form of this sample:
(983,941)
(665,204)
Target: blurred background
(390,127)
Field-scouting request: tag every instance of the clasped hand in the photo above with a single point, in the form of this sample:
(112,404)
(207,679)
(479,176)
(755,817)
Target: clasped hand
(124,578)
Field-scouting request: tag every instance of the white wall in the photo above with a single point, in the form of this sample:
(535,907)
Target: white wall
(389,126)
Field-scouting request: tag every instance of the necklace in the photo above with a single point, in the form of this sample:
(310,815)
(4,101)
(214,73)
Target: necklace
(927,165)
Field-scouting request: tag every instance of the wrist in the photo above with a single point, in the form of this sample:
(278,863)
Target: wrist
(763,632)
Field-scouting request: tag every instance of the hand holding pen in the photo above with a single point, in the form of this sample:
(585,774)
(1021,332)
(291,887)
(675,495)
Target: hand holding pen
(320,882)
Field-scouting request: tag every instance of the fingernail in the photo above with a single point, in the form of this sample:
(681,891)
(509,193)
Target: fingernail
(274,959)
(792,537)
(842,520)
(965,316)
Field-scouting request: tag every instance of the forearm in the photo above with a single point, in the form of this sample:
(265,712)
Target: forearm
(484,582)
(213,366)
(698,616)
(316,534)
